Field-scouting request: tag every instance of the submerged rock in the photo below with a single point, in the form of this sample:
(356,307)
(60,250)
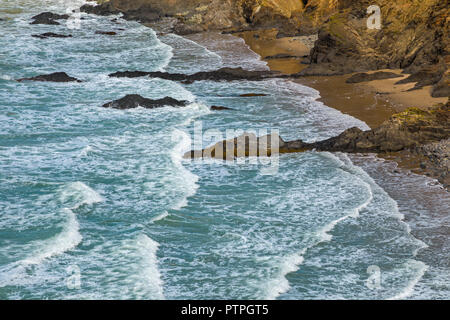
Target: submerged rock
(365,77)
(53,77)
(249,95)
(223,74)
(132,101)
(108,33)
(50,35)
(220,108)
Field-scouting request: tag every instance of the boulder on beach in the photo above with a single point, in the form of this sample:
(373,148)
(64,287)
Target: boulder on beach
(53,77)
(132,101)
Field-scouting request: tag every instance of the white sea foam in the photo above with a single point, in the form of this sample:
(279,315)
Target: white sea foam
(169,49)
(420,269)
(186,178)
(292,263)
(148,284)
(160,217)
(79,194)
(85,152)
(76,193)
(280,284)
(5,77)
(68,239)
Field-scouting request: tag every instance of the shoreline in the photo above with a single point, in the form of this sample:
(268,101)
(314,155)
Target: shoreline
(373,102)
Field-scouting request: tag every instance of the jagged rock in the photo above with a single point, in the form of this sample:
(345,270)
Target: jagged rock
(53,77)
(223,74)
(104,9)
(405,130)
(424,77)
(51,15)
(365,77)
(132,101)
(50,35)
(436,159)
(49,18)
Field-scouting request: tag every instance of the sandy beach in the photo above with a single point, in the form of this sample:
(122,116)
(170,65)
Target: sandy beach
(372,102)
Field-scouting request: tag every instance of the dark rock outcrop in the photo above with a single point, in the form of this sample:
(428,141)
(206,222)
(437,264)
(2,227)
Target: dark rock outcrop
(132,101)
(53,77)
(223,74)
(50,35)
(365,77)
(425,76)
(49,18)
(407,130)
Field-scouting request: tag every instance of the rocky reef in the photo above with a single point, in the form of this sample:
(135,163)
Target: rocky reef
(222,74)
(422,132)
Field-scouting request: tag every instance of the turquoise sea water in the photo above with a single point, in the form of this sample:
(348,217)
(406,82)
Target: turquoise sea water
(104,197)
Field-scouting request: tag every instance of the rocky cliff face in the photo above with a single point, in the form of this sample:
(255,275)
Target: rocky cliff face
(412,34)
